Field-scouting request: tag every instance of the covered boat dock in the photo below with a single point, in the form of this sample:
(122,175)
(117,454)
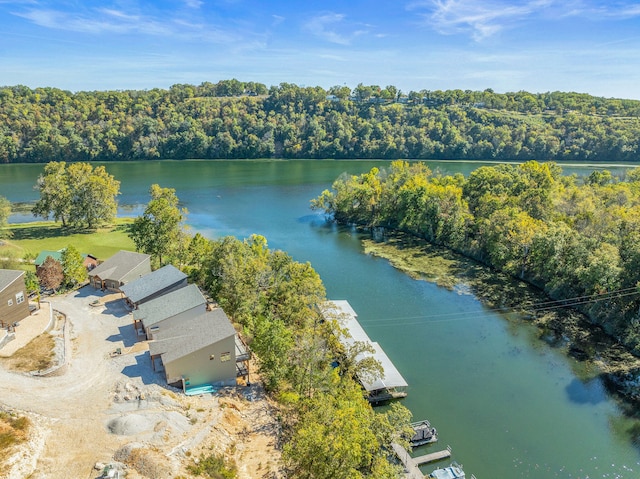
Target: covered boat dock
(391,384)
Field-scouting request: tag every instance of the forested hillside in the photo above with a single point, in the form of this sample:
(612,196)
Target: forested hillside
(232,119)
(580,243)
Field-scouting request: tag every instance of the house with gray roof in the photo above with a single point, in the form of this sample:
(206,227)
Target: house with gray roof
(14,303)
(168,309)
(153,285)
(197,351)
(122,268)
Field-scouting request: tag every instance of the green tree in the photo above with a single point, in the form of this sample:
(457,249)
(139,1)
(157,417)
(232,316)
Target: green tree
(5,212)
(93,195)
(77,194)
(55,197)
(157,232)
(73,269)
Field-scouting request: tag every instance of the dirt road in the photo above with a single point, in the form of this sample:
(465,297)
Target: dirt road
(103,404)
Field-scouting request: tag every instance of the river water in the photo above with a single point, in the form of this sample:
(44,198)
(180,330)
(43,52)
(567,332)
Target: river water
(508,404)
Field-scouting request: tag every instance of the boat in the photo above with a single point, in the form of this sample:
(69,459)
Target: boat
(454,471)
(423,433)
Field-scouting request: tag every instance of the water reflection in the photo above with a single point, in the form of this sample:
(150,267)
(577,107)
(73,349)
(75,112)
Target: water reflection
(586,392)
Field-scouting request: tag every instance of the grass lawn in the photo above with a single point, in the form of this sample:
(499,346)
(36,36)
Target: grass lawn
(48,235)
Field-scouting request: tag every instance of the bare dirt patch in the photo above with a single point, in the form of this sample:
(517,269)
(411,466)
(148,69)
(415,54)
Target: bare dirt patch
(37,355)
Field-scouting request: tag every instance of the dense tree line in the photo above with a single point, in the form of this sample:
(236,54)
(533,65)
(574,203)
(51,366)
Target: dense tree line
(329,430)
(580,243)
(232,119)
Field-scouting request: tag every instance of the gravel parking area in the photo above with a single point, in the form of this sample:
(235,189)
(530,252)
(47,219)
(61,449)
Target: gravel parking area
(106,403)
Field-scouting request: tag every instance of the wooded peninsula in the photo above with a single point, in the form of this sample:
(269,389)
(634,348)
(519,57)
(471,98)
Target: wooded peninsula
(580,243)
(233,119)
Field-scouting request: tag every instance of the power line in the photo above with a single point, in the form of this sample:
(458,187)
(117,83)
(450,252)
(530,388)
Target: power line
(532,308)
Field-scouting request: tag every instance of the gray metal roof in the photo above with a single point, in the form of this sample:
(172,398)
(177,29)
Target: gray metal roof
(168,305)
(346,316)
(191,335)
(8,276)
(119,265)
(391,377)
(152,283)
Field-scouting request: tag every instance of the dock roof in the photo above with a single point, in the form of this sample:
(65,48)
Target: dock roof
(347,317)
(191,335)
(152,283)
(168,305)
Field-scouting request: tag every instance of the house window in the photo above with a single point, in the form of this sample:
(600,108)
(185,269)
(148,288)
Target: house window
(20,297)
(10,302)
(225,357)
(212,357)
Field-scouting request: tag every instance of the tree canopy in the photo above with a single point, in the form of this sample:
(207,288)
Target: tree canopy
(77,194)
(233,119)
(50,274)
(5,212)
(330,429)
(73,268)
(158,231)
(571,240)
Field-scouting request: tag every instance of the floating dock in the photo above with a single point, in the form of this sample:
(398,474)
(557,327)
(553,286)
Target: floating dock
(433,457)
(412,464)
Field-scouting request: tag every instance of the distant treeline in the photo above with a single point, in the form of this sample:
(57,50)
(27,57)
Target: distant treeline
(233,119)
(580,243)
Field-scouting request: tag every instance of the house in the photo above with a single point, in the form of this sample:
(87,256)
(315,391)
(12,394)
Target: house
(173,307)
(390,384)
(150,286)
(14,303)
(120,269)
(197,351)
(89,261)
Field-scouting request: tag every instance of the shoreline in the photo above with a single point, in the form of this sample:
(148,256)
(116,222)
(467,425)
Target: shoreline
(601,355)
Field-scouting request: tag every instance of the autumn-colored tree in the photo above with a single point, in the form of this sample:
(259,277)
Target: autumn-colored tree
(50,274)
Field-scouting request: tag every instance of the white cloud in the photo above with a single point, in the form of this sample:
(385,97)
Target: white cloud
(326,27)
(193,3)
(105,21)
(322,26)
(480,19)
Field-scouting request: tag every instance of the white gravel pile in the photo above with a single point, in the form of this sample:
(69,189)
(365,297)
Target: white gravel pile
(130,424)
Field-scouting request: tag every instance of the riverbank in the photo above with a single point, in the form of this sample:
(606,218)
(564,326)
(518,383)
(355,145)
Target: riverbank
(598,354)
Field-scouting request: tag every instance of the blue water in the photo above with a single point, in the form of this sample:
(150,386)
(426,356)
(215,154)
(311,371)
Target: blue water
(509,405)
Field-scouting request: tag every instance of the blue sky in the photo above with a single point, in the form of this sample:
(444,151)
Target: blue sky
(590,46)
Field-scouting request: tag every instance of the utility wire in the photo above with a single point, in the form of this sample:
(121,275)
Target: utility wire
(532,308)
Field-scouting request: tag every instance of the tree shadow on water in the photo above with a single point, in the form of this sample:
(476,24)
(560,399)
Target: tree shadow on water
(586,392)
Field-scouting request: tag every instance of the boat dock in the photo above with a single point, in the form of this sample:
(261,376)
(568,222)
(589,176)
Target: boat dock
(412,464)
(390,385)
(433,457)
